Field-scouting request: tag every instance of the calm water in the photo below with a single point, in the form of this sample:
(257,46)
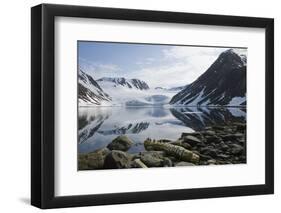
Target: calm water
(98,126)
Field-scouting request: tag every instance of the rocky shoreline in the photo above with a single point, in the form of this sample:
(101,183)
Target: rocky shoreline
(214,145)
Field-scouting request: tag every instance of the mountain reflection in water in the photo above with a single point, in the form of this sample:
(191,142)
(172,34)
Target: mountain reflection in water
(98,126)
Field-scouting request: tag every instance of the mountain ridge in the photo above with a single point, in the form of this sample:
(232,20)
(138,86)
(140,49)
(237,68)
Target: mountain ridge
(223,83)
(126,82)
(90,92)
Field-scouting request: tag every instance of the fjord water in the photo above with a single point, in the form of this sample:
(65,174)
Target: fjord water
(98,126)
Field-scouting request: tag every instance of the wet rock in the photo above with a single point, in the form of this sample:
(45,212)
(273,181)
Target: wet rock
(117,159)
(209,151)
(183,163)
(82,162)
(213,139)
(209,133)
(231,137)
(182,144)
(240,127)
(204,157)
(222,128)
(223,156)
(242,159)
(195,134)
(173,159)
(96,159)
(212,162)
(122,143)
(208,128)
(222,146)
(93,160)
(167,162)
(192,140)
(236,149)
(152,158)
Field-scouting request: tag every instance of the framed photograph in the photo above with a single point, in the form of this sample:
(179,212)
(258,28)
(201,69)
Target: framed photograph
(139,106)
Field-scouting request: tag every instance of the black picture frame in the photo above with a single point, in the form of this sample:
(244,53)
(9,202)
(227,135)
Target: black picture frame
(43,102)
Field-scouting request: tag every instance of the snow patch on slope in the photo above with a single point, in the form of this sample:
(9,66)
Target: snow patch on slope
(237,101)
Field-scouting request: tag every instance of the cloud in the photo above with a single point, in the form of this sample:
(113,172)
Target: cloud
(182,65)
(146,61)
(177,66)
(240,51)
(98,70)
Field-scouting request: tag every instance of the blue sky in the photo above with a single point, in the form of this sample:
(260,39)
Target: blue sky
(158,65)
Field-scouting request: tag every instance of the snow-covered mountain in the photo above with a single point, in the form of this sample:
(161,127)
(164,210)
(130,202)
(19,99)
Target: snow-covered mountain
(89,91)
(120,92)
(132,92)
(224,83)
(123,82)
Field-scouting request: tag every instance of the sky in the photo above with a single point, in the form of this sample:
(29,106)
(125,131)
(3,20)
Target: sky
(158,65)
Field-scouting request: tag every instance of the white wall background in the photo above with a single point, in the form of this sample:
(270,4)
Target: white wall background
(15,105)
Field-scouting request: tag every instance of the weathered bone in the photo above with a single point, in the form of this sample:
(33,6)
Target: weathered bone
(173,150)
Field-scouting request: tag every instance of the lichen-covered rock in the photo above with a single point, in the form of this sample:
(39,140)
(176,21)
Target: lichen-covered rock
(152,158)
(82,162)
(167,162)
(117,160)
(173,150)
(122,143)
(92,160)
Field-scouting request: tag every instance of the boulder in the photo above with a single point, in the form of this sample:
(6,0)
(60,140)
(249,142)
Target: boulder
(232,137)
(209,151)
(122,143)
(223,156)
(192,140)
(209,133)
(212,162)
(152,158)
(96,159)
(240,127)
(182,144)
(219,127)
(195,134)
(92,160)
(237,149)
(117,159)
(183,163)
(82,162)
(204,157)
(167,162)
(213,139)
